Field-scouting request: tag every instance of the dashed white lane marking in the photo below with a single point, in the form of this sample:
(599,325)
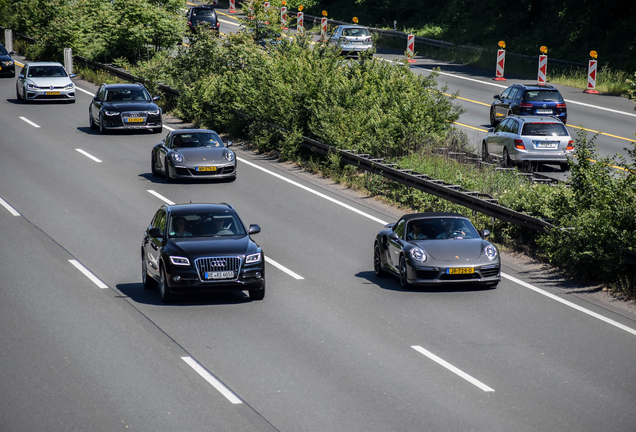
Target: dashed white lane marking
(88,274)
(212,380)
(88,155)
(161,197)
(452,368)
(29,122)
(284,269)
(6,205)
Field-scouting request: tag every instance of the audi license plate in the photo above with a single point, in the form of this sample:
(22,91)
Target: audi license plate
(52,93)
(460,270)
(544,111)
(134,120)
(206,169)
(219,275)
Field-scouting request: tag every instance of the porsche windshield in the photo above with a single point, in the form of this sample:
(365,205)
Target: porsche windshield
(197,139)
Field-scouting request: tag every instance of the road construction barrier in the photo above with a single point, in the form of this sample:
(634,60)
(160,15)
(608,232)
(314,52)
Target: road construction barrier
(501,60)
(543,69)
(323,28)
(232,6)
(300,23)
(283,17)
(410,48)
(591,77)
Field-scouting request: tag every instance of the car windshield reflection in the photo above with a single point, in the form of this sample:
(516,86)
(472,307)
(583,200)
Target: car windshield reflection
(202,139)
(440,228)
(206,225)
(127,95)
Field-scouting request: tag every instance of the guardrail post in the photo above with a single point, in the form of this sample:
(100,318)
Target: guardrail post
(8,39)
(68,60)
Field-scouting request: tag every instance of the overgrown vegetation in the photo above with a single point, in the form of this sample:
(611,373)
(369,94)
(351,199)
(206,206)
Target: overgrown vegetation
(277,93)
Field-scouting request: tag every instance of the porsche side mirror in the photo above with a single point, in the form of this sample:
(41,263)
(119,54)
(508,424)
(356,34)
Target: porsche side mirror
(485,233)
(393,236)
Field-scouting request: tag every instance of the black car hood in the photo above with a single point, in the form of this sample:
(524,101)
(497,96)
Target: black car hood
(203,154)
(5,58)
(130,106)
(452,249)
(213,246)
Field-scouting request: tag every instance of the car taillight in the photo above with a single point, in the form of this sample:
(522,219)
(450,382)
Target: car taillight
(570,145)
(525,104)
(519,144)
(561,105)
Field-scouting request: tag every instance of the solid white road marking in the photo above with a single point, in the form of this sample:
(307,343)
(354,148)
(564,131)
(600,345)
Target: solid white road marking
(280,267)
(321,195)
(162,198)
(168,127)
(85,91)
(88,155)
(520,282)
(6,205)
(212,380)
(29,122)
(452,368)
(230,23)
(88,274)
(570,304)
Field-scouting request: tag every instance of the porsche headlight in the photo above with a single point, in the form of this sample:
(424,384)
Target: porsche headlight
(229,156)
(155,112)
(177,157)
(253,258)
(418,255)
(182,261)
(490,252)
(111,113)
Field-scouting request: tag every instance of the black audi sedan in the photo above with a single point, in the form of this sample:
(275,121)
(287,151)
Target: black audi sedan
(7,65)
(124,106)
(192,248)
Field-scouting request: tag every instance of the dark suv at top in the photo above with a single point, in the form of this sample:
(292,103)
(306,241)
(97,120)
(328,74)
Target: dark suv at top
(202,16)
(528,99)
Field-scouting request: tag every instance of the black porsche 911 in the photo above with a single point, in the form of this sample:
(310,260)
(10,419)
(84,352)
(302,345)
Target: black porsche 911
(429,249)
(190,248)
(124,106)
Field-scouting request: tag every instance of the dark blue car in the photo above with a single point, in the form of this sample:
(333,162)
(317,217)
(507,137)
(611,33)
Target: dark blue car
(528,99)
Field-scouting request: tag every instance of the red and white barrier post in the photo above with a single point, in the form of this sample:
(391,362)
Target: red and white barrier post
(232,6)
(501,60)
(266,5)
(215,2)
(410,48)
(323,28)
(591,74)
(300,23)
(283,17)
(543,66)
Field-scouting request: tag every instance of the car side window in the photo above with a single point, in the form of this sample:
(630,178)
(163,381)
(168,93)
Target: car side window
(159,220)
(514,94)
(399,228)
(506,92)
(100,93)
(513,127)
(503,126)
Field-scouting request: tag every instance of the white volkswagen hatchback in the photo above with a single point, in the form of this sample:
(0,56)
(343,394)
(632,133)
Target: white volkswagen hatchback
(45,81)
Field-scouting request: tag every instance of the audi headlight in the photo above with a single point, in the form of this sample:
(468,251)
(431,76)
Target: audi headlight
(177,157)
(155,112)
(229,156)
(491,252)
(182,261)
(111,113)
(252,259)
(418,255)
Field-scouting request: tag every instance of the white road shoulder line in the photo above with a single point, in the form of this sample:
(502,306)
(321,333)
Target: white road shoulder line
(88,274)
(168,127)
(82,90)
(212,380)
(452,368)
(230,23)
(348,207)
(29,122)
(161,197)
(6,205)
(280,267)
(88,155)
(570,304)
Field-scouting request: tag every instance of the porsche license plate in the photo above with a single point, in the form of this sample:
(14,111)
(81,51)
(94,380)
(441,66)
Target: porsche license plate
(206,169)
(544,111)
(134,120)
(460,270)
(219,275)
(52,93)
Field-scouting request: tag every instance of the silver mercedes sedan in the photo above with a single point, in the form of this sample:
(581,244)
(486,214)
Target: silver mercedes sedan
(45,81)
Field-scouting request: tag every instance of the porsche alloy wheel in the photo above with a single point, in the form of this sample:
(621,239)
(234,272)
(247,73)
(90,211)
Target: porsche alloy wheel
(403,274)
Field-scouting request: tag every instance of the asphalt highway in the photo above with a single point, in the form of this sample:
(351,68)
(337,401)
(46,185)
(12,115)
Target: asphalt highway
(331,348)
